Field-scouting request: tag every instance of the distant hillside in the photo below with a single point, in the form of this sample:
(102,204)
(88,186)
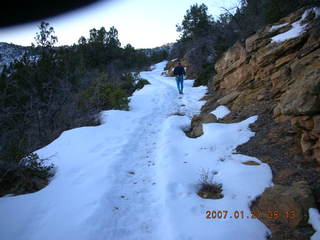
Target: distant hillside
(149,51)
(10,52)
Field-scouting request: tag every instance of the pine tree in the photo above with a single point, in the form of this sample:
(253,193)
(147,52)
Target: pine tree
(45,37)
(196,22)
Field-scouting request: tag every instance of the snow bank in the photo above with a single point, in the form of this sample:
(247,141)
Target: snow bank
(294,32)
(220,112)
(275,27)
(297,27)
(181,161)
(316,11)
(314,220)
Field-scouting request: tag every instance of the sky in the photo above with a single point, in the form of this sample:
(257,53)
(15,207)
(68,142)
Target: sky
(142,23)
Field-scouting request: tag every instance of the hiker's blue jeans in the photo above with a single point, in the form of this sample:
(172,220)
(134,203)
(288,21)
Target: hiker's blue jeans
(179,80)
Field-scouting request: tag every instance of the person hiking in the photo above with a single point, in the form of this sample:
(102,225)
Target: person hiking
(179,72)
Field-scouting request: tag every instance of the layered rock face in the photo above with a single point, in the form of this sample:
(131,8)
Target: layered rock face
(281,62)
(275,74)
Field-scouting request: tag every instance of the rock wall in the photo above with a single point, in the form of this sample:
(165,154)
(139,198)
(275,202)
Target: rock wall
(287,71)
(275,74)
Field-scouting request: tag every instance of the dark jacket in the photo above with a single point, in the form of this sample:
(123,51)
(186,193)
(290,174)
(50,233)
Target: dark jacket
(179,70)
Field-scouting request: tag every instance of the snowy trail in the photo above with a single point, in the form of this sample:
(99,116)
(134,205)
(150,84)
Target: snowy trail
(132,189)
(135,177)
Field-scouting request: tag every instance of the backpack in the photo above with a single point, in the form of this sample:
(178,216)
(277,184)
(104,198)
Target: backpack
(175,71)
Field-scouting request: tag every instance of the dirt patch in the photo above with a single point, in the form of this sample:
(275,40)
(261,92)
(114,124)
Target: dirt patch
(251,163)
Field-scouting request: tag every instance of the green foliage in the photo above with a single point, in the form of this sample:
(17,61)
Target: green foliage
(113,96)
(30,174)
(270,11)
(205,76)
(36,166)
(159,56)
(128,82)
(196,22)
(103,94)
(112,40)
(141,83)
(82,40)
(45,37)
(132,82)
(66,87)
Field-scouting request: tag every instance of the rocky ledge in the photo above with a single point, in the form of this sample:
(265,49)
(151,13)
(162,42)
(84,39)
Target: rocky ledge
(275,74)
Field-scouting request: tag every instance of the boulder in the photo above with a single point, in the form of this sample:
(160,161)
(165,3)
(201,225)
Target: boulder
(196,129)
(170,66)
(287,206)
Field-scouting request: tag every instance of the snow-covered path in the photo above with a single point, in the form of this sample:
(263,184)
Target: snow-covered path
(136,176)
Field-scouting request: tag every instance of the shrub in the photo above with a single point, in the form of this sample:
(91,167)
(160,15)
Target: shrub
(113,96)
(205,75)
(208,188)
(33,164)
(30,174)
(128,81)
(141,83)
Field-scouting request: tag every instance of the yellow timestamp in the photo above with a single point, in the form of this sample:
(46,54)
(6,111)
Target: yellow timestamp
(240,214)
